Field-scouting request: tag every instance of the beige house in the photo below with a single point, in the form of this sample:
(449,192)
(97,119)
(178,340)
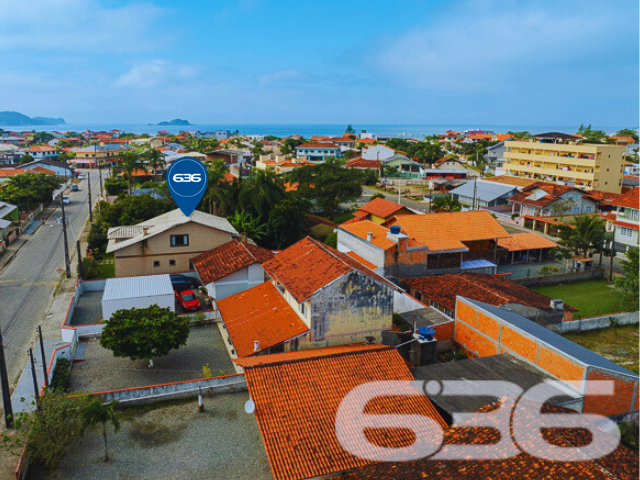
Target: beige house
(166,244)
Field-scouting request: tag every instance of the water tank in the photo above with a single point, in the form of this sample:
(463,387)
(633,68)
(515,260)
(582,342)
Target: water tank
(395,229)
(426,334)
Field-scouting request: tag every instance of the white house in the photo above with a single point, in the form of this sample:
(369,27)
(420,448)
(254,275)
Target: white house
(231,268)
(378,152)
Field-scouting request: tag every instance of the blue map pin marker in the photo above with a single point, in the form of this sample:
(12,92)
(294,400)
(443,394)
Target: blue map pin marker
(187,180)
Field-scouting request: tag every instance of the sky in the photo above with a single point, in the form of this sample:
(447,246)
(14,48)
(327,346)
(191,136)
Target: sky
(427,62)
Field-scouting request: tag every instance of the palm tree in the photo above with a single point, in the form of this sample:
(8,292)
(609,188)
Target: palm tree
(156,159)
(97,412)
(585,234)
(247,225)
(129,162)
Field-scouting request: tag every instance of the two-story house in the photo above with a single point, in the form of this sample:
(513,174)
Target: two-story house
(316,297)
(318,152)
(626,224)
(166,244)
(543,199)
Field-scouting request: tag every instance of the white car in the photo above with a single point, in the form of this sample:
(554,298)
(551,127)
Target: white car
(66,200)
(80,175)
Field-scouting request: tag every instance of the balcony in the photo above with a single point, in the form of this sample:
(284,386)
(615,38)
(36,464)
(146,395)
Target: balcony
(569,161)
(555,172)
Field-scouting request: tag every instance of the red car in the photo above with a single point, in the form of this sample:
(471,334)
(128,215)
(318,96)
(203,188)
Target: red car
(188,300)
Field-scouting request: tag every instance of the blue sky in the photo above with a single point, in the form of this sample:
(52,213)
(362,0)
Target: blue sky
(377,62)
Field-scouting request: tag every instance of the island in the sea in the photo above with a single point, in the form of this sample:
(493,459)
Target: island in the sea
(16,119)
(175,121)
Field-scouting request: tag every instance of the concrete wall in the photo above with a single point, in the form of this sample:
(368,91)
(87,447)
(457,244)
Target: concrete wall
(236,282)
(111,306)
(133,261)
(172,391)
(348,242)
(595,274)
(348,310)
(403,302)
(594,323)
(543,317)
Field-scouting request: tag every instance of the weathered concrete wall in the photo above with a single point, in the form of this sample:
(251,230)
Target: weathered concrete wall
(594,323)
(348,242)
(595,274)
(354,307)
(403,302)
(172,391)
(541,317)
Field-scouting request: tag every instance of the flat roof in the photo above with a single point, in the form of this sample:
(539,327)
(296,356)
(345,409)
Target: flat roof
(425,317)
(135,287)
(496,367)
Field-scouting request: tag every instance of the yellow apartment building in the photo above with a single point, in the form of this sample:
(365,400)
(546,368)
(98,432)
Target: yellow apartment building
(585,166)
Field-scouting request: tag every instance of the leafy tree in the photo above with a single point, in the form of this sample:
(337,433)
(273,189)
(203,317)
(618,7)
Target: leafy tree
(370,177)
(349,129)
(248,225)
(445,204)
(628,132)
(41,137)
(592,136)
(96,413)
(287,223)
(561,206)
(257,150)
(29,189)
(26,158)
(144,333)
(329,185)
(115,185)
(49,430)
(521,135)
(377,195)
(90,268)
(627,283)
(289,145)
(216,192)
(155,159)
(332,240)
(129,163)
(586,233)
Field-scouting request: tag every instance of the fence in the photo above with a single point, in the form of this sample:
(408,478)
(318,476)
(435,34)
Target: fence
(594,323)
(173,391)
(595,274)
(87,330)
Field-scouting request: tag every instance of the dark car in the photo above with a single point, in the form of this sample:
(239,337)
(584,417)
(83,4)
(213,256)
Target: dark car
(182,282)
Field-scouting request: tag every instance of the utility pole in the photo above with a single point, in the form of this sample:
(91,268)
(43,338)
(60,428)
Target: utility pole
(613,254)
(475,189)
(66,243)
(44,360)
(36,390)
(90,202)
(80,268)
(4,381)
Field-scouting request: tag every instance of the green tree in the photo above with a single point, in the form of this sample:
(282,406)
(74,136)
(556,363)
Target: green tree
(585,234)
(129,163)
(26,158)
(328,184)
(445,204)
(522,135)
(49,430)
(561,206)
(628,132)
(144,333)
(592,136)
(287,223)
(155,159)
(349,129)
(214,196)
(248,225)
(289,145)
(96,412)
(29,189)
(115,185)
(627,283)
(41,137)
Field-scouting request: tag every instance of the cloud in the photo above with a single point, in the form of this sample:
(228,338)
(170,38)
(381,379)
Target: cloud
(80,26)
(486,45)
(155,73)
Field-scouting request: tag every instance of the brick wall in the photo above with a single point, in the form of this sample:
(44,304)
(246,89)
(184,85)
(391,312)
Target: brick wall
(621,401)
(444,331)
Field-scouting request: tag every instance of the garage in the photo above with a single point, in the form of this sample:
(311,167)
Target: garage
(139,292)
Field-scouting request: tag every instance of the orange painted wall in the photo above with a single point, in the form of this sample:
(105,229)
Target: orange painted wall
(559,366)
(617,403)
(520,344)
(444,331)
(488,326)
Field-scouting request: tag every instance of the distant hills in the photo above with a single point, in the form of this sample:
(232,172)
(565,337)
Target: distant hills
(175,121)
(16,119)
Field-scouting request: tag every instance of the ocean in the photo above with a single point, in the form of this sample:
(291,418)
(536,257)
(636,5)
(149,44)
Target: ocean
(308,130)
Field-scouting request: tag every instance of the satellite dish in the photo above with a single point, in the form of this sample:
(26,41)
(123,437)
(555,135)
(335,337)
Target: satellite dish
(250,406)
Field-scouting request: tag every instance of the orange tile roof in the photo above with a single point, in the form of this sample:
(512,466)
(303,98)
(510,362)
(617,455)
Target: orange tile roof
(362,228)
(227,259)
(381,208)
(11,172)
(620,223)
(308,265)
(318,145)
(511,180)
(630,199)
(363,261)
(40,169)
(447,231)
(297,397)
(525,241)
(40,148)
(621,464)
(259,314)
(291,187)
(360,162)
(228,177)
(501,137)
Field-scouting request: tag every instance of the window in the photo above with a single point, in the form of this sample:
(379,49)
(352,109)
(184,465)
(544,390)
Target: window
(626,232)
(179,240)
(302,309)
(635,214)
(588,210)
(156,263)
(172,263)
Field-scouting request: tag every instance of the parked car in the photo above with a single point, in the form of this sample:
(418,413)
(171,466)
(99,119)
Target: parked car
(81,175)
(66,200)
(188,300)
(182,282)
(74,188)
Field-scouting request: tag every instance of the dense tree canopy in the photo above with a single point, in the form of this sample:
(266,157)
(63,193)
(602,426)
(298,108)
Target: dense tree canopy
(425,152)
(584,235)
(628,283)
(27,190)
(628,132)
(144,333)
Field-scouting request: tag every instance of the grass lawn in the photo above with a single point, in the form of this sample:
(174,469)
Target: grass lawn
(320,231)
(618,344)
(107,270)
(592,298)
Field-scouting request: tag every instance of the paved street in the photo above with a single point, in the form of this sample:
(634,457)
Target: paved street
(28,282)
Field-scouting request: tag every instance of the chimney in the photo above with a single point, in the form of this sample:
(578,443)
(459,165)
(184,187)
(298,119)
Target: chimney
(557,303)
(256,345)
(369,236)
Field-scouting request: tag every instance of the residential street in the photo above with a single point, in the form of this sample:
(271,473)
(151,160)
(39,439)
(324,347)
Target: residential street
(27,284)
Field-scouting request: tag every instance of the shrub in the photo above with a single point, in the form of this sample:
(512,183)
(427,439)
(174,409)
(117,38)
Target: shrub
(549,269)
(629,435)
(332,240)
(60,377)
(90,268)
(514,216)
